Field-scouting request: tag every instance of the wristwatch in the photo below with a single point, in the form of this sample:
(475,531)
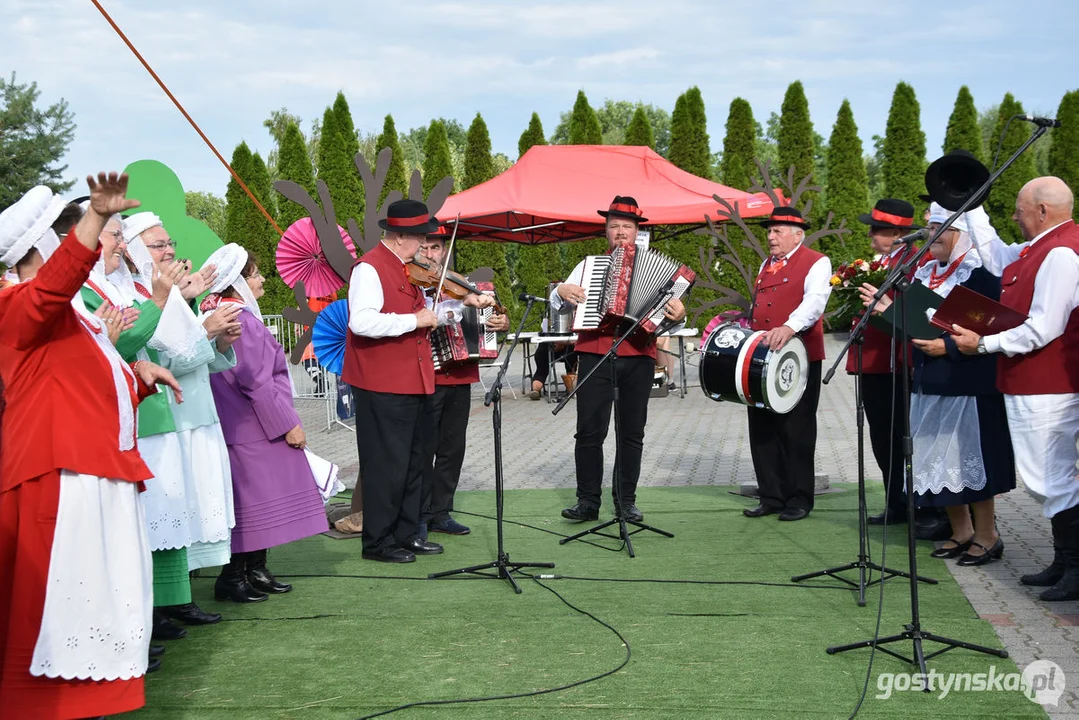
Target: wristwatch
(981,346)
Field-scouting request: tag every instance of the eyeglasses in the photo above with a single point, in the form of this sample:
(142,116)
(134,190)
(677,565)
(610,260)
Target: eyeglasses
(162,246)
(118,235)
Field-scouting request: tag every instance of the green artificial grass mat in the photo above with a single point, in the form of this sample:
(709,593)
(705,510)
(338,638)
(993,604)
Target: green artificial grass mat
(363,640)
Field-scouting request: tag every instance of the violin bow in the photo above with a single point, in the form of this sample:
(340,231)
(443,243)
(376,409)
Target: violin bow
(446,259)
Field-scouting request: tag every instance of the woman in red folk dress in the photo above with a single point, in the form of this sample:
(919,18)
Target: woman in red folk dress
(75,595)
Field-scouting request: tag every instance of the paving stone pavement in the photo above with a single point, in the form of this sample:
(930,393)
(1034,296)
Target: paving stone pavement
(695,441)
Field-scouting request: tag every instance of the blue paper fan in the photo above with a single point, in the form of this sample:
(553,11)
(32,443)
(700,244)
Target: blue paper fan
(330,335)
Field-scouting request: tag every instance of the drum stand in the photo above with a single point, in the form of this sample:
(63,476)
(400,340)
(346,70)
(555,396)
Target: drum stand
(501,564)
(899,280)
(619,518)
(862,563)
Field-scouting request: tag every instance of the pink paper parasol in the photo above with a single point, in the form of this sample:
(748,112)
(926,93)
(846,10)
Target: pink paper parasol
(300,257)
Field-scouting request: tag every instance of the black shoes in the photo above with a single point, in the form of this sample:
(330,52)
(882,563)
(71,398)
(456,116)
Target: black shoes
(632,513)
(581,512)
(391,554)
(1049,576)
(163,629)
(259,576)
(153,665)
(448,526)
(792,514)
(759,511)
(422,547)
(989,555)
(895,517)
(957,548)
(932,524)
(232,583)
(190,614)
(156,650)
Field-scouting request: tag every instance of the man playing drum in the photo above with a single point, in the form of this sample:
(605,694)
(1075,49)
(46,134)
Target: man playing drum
(789,297)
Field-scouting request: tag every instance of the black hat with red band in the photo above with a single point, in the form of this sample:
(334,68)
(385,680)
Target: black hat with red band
(891,213)
(410,217)
(624,206)
(786,215)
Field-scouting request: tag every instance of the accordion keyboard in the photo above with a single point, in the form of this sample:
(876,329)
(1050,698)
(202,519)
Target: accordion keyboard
(588,314)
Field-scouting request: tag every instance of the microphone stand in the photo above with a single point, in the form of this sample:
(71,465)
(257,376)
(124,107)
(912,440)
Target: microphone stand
(501,564)
(898,279)
(619,518)
(862,563)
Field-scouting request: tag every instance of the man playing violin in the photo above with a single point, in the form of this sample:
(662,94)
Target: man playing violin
(388,363)
(449,407)
(634,368)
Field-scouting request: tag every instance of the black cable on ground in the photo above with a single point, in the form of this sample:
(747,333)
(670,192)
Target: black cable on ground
(533,693)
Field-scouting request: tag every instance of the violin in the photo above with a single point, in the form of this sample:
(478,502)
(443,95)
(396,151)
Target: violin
(426,273)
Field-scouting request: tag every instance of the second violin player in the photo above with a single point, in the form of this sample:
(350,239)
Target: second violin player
(444,454)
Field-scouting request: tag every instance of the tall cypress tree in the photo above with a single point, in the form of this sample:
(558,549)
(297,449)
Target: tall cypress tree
(639,130)
(963,132)
(236,199)
(903,165)
(260,238)
(689,135)
(437,160)
(795,134)
(352,191)
(533,135)
(396,177)
(584,127)
(847,195)
(1001,202)
(1064,151)
(739,146)
(479,166)
(293,163)
(336,169)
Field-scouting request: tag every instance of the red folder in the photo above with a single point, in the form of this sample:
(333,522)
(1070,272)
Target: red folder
(975,312)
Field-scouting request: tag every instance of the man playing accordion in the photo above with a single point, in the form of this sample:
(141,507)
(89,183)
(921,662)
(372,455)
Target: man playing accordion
(633,371)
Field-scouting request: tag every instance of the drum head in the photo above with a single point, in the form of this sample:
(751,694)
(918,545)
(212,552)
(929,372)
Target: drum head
(786,377)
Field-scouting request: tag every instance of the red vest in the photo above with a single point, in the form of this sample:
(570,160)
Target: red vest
(599,342)
(780,293)
(402,364)
(1054,368)
(465,374)
(877,345)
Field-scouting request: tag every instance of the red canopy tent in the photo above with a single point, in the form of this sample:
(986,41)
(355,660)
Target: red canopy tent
(553,192)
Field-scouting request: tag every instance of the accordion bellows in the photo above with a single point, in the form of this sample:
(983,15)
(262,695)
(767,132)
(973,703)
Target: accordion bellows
(625,284)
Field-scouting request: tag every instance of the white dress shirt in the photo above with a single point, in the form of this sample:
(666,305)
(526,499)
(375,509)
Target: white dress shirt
(365,316)
(815,292)
(1056,291)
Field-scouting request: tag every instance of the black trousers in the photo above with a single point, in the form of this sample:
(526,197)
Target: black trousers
(391,432)
(882,395)
(445,453)
(633,376)
(546,355)
(783,449)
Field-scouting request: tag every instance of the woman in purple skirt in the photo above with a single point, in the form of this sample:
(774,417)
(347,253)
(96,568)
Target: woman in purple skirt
(276,498)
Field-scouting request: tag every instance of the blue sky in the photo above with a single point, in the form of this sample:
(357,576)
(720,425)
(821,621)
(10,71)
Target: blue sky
(231,63)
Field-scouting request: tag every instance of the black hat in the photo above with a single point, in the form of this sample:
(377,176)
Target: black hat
(891,213)
(440,233)
(624,206)
(926,198)
(786,215)
(408,216)
(951,179)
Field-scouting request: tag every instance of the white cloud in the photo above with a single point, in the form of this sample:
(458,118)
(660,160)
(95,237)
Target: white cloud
(619,57)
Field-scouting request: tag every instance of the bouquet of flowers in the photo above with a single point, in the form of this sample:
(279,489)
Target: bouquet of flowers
(846,280)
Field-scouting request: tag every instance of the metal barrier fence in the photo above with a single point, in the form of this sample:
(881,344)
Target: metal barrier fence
(310,380)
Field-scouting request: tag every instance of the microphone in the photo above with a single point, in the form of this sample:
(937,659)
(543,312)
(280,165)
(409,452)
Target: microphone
(525,297)
(922,234)
(1041,122)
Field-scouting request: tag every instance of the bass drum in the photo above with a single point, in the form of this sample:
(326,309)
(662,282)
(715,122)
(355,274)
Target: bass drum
(737,367)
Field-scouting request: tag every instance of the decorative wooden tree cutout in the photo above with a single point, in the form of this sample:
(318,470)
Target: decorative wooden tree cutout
(732,231)
(333,246)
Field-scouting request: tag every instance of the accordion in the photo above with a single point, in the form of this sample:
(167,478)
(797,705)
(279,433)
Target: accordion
(465,339)
(624,284)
